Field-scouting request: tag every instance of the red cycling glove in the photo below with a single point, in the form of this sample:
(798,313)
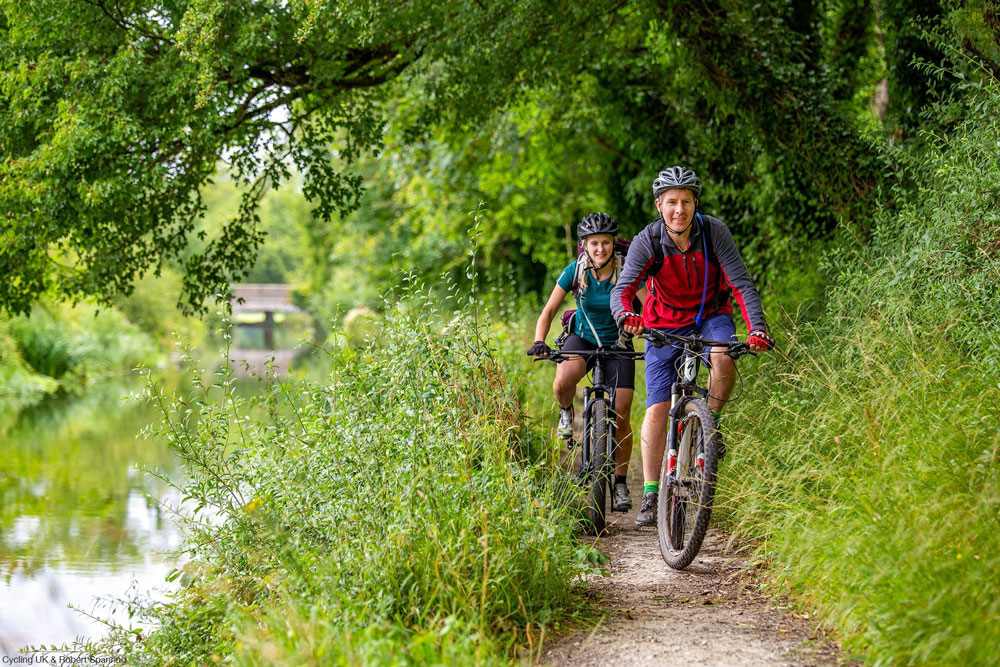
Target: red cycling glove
(629,319)
(760,339)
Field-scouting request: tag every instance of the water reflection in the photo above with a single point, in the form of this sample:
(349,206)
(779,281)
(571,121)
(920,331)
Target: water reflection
(77,519)
(264,345)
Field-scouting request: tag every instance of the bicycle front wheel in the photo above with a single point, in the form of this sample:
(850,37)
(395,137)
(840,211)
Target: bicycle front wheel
(599,441)
(687,486)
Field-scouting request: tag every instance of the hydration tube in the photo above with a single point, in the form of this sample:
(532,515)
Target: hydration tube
(704,288)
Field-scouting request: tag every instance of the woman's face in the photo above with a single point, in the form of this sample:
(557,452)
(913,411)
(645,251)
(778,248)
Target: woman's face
(600,247)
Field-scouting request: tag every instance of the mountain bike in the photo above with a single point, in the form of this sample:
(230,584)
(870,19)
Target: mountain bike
(598,444)
(693,449)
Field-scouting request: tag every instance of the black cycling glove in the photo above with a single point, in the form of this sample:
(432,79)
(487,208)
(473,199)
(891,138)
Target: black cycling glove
(539,349)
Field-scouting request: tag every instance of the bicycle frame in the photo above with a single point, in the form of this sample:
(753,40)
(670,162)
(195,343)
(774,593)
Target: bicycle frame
(597,390)
(685,388)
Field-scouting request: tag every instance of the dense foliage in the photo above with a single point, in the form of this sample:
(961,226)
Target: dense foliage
(869,455)
(111,133)
(61,348)
(390,514)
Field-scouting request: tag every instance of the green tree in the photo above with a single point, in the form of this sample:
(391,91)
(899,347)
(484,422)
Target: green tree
(114,115)
(109,134)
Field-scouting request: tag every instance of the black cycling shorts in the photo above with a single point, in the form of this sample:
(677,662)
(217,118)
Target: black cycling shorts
(619,373)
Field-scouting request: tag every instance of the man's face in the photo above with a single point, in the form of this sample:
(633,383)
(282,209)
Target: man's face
(677,208)
(600,247)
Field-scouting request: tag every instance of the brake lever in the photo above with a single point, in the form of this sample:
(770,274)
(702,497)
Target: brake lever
(654,341)
(737,352)
(622,343)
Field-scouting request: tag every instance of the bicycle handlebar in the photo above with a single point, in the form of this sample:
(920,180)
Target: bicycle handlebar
(558,355)
(733,348)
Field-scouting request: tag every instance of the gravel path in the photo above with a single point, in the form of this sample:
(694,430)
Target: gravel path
(708,614)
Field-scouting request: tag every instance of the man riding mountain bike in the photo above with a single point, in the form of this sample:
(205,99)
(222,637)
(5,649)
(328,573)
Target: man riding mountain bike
(689,262)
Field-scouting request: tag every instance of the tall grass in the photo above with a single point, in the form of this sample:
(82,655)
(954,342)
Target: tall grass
(867,457)
(388,515)
(72,343)
(20,385)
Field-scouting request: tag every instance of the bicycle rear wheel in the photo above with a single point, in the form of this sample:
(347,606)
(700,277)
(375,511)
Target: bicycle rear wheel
(687,486)
(599,441)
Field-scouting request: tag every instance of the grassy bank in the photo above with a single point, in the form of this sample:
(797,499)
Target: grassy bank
(61,348)
(868,463)
(399,512)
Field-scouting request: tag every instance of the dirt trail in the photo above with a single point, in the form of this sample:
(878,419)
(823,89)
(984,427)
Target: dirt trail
(708,614)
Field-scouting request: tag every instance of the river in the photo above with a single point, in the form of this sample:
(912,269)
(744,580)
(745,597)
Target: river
(79,519)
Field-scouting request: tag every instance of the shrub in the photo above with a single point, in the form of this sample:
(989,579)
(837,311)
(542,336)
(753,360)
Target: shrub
(19,385)
(388,515)
(73,343)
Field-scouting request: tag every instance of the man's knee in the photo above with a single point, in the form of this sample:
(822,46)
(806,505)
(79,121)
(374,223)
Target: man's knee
(656,412)
(722,363)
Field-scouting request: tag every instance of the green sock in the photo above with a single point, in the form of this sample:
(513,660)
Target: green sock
(650,486)
(717,414)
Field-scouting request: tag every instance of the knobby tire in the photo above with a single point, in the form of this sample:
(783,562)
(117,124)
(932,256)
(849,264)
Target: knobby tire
(599,441)
(682,517)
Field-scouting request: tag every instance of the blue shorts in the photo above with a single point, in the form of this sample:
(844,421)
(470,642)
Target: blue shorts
(660,370)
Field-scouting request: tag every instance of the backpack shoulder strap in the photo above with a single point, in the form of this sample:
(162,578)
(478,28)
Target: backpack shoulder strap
(580,275)
(722,291)
(709,245)
(655,240)
(619,263)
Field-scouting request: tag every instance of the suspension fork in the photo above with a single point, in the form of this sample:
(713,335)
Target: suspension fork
(589,393)
(680,394)
(585,459)
(677,401)
(612,428)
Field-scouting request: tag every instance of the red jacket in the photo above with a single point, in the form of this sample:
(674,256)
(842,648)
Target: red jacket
(675,292)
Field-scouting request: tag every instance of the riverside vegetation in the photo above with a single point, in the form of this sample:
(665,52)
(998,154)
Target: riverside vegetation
(398,512)
(59,349)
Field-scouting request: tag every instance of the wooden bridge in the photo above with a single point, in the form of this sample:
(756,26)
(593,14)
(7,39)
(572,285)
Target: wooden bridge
(253,299)
(267,298)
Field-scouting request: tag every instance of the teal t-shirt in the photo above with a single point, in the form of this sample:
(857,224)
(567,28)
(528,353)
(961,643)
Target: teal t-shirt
(595,306)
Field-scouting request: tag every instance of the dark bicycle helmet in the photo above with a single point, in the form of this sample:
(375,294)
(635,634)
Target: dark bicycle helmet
(676,177)
(596,223)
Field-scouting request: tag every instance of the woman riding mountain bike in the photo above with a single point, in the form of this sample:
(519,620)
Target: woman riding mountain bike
(591,277)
